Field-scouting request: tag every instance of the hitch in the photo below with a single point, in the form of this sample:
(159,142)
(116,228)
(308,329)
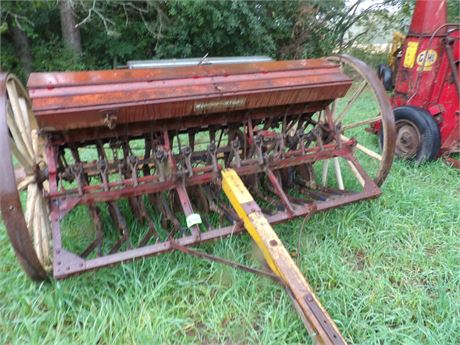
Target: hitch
(318,322)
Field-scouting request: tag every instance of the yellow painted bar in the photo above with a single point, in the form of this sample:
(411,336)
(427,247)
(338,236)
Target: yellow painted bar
(238,195)
(279,260)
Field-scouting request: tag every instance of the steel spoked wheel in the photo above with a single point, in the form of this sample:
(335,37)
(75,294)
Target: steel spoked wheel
(22,185)
(365,106)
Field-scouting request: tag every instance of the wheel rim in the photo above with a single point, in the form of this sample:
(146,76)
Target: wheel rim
(23,166)
(365,104)
(408,139)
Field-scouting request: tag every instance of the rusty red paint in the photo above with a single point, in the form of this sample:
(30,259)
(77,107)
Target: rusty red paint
(62,79)
(432,83)
(72,264)
(85,99)
(75,109)
(10,202)
(266,111)
(427,17)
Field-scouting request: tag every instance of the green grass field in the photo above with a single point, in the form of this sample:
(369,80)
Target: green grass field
(387,270)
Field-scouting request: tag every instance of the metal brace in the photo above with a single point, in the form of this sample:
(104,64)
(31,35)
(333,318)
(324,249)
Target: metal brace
(300,135)
(338,136)
(160,160)
(133,162)
(317,133)
(102,167)
(77,170)
(187,153)
(121,168)
(236,152)
(212,152)
(279,146)
(258,142)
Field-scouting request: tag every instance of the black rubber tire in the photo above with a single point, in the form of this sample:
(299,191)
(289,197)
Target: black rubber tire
(425,124)
(385,75)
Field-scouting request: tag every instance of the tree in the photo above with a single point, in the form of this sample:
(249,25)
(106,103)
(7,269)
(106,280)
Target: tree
(21,45)
(16,17)
(105,33)
(70,30)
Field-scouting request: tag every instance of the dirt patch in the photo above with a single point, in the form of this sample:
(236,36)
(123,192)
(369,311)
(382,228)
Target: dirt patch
(360,260)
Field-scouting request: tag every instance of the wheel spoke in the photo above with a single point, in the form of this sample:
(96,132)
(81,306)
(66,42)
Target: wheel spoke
(28,111)
(333,107)
(38,146)
(32,195)
(47,218)
(325,171)
(46,186)
(44,232)
(17,135)
(365,150)
(351,102)
(25,182)
(37,236)
(356,173)
(18,117)
(361,123)
(22,93)
(24,113)
(24,160)
(338,173)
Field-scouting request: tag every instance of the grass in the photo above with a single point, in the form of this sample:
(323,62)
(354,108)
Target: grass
(387,270)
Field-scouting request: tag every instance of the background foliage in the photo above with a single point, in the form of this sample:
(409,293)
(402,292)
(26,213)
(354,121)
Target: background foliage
(115,31)
(388,269)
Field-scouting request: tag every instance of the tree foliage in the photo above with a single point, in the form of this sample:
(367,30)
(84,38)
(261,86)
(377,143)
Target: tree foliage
(115,31)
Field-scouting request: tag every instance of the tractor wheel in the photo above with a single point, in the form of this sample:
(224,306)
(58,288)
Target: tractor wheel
(418,137)
(385,75)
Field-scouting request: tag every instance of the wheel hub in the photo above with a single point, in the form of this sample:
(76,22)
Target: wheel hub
(408,139)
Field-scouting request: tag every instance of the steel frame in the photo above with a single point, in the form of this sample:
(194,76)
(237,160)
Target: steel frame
(141,122)
(67,263)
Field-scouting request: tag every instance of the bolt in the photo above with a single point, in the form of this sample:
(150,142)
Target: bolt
(273,243)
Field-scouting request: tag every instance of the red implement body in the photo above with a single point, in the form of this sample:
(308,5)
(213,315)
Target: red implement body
(72,100)
(156,160)
(427,85)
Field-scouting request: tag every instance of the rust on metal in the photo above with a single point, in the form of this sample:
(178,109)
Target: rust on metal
(70,100)
(147,148)
(10,202)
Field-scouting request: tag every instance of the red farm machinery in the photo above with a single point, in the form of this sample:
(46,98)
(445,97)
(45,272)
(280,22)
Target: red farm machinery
(424,76)
(165,158)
